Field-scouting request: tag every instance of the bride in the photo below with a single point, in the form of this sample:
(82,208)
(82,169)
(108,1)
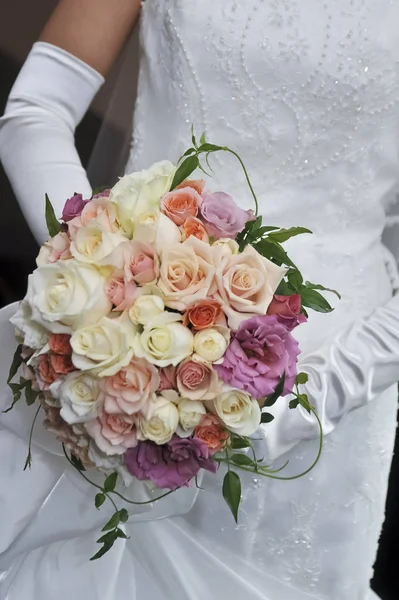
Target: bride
(307,92)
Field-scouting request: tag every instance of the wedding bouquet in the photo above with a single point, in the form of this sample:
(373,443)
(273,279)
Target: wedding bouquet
(156,330)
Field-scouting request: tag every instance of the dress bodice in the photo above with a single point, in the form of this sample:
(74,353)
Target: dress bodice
(307,92)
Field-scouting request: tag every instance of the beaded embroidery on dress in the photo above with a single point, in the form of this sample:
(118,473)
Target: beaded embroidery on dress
(308,93)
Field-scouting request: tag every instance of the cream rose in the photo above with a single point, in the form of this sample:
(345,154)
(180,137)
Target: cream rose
(145,309)
(67,295)
(238,411)
(186,273)
(140,193)
(77,394)
(104,348)
(246,284)
(165,341)
(190,414)
(210,344)
(93,243)
(227,245)
(33,334)
(103,212)
(163,423)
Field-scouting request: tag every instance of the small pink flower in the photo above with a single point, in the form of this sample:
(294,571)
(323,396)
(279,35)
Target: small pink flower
(73,227)
(56,248)
(287,308)
(131,390)
(113,434)
(120,293)
(197,380)
(136,260)
(103,211)
(167,378)
(180,204)
(142,267)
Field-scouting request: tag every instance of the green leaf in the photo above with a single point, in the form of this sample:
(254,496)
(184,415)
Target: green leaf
(77,463)
(266,418)
(284,289)
(232,492)
(28,462)
(313,286)
(16,363)
(52,223)
(189,152)
(304,401)
(270,400)
(295,279)
(314,300)
(238,442)
(30,394)
(113,522)
(202,139)
(209,148)
(121,534)
(102,551)
(302,378)
(285,234)
(123,515)
(241,460)
(186,168)
(108,538)
(16,390)
(99,500)
(293,403)
(271,249)
(110,482)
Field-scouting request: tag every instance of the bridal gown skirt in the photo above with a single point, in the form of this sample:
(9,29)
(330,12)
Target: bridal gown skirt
(311,538)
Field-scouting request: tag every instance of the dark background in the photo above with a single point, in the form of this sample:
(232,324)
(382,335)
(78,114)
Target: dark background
(17,259)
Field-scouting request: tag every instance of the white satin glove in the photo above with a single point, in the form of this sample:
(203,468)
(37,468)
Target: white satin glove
(351,371)
(37,148)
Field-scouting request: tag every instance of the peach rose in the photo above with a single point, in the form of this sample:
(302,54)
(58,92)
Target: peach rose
(136,260)
(56,248)
(187,273)
(167,378)
(131,389)
(180,204)
(113,434)
(73,227)
(203,314)
(122,294)
(196,380)
(211,431)
(246,283)
(60,343)
(194,227)
(103,211)
(61,365)
(197,185)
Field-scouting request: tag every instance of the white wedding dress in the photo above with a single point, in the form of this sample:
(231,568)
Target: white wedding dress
(307,91)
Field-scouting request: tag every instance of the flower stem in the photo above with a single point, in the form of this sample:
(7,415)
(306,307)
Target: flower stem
(28,462)
(226,149)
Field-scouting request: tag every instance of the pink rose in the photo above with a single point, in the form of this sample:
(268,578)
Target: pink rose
(180,204)
(136,260)
(130,391)
(103,211)
(222,217)
(197,380)
(167,379)
(187,273)
(287,308)
(194,227)
(246,284)
(122,294)
(113,434)
(56,248)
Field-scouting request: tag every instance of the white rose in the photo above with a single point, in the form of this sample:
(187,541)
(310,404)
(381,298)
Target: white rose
(190,413)
(227,245)
(163,423)
(104,348)
(77,393)
(93,243)
(238,411)
(67,295)
(210,344)
(33,334)
(141,192)
(165,341)
(145,308)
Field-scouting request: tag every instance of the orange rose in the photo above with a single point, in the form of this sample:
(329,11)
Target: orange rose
(181,204)
(203,314)
(193,226)
(46,373)
(197,185)
(211,431)
(61,365)
(59,343)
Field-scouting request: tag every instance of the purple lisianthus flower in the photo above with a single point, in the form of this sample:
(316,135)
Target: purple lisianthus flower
(261,351)
(73,207)
(171,465)
(222,217)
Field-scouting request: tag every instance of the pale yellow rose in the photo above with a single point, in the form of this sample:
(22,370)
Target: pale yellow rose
(190,414)
(246,283)
(238,411)
(163,423)
(227,245)
(210,344)
(104,348)
(186,273)
(145,309)
(92,243)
